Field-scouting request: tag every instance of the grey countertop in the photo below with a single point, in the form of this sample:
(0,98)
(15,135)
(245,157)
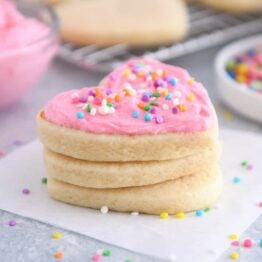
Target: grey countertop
(31,241)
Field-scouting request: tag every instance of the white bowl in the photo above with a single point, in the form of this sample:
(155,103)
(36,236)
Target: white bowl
(234,94)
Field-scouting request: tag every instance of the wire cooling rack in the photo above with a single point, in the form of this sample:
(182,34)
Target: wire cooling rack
(207,28)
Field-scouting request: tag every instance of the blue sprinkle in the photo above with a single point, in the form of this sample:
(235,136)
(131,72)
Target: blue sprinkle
(80,115)
(200,213)
(147,117)
(173,81)
(231,74)
(168,96)
(237,179)
(135,114)
(260,242)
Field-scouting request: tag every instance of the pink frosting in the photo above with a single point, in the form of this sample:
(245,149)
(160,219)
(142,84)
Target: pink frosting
(154,98)
(25,52)
(17,30)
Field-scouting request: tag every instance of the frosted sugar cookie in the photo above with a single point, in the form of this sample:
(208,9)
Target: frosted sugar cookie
(144,111)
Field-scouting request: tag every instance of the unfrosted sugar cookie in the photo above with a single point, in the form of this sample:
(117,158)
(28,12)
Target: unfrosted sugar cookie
(93,174)
(185,194)
(109,22)
(234,6)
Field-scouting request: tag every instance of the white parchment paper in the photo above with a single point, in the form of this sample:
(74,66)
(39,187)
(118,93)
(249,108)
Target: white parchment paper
(190,238)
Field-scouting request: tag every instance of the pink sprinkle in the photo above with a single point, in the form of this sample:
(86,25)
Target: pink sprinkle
(1,153)
(248,243)
(26,191)
(98,101)
(235,243)
(12,223)
(250,167)
(260,204)
(96,257)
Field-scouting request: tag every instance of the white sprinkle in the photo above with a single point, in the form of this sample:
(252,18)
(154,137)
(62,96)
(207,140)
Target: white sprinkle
(177,94)
(172,258)
(75,95)
(165,107)
(132,77)
(176,101)
(104,102)
(134,214)
(99,251)
(93,111)
(103,110)
(84,106)
(159,72)
(149,78)
(90,99)
(111,110)
(104,209)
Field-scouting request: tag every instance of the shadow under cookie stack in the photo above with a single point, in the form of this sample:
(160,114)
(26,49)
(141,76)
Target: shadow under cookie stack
(145,140)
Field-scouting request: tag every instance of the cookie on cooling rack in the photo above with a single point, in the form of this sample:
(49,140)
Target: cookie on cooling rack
(136,23)
(234,6)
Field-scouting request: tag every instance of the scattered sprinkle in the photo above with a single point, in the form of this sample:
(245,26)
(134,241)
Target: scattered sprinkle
(234,255)
(107,253)
(250,167)
(104,209)
(59,255)
(260,242)
(159,119)
(248,243)
(180,215)
(12,223)
(236,179)
(200,213)
(260,204)
(244,163)
(96,257)
(44,180)
(163,215)
(233,236)
(26,191)
(207,209)
(57,235)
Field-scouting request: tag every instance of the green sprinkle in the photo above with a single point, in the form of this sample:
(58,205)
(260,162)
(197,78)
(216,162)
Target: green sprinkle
(147,108)
(230,65)
(244,163)
(44,180)
(110,104)
(106,253)
(153,103)
(156,94)
(89,108)
(207,209)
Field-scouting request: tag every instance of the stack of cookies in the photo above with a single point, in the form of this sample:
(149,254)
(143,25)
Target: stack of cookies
(144,140)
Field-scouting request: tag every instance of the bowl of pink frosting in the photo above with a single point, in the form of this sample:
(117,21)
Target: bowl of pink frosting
(28,42)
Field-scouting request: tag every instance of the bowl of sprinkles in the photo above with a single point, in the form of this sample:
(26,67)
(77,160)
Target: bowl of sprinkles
(239,76)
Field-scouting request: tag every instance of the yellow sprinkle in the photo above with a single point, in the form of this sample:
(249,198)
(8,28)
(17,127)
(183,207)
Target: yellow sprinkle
(180,215)
(191,97)
(57,235)
(182,107)
(191,80)
(228,115)
(233,236)
(127,72)
(164,215)
(234,255)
